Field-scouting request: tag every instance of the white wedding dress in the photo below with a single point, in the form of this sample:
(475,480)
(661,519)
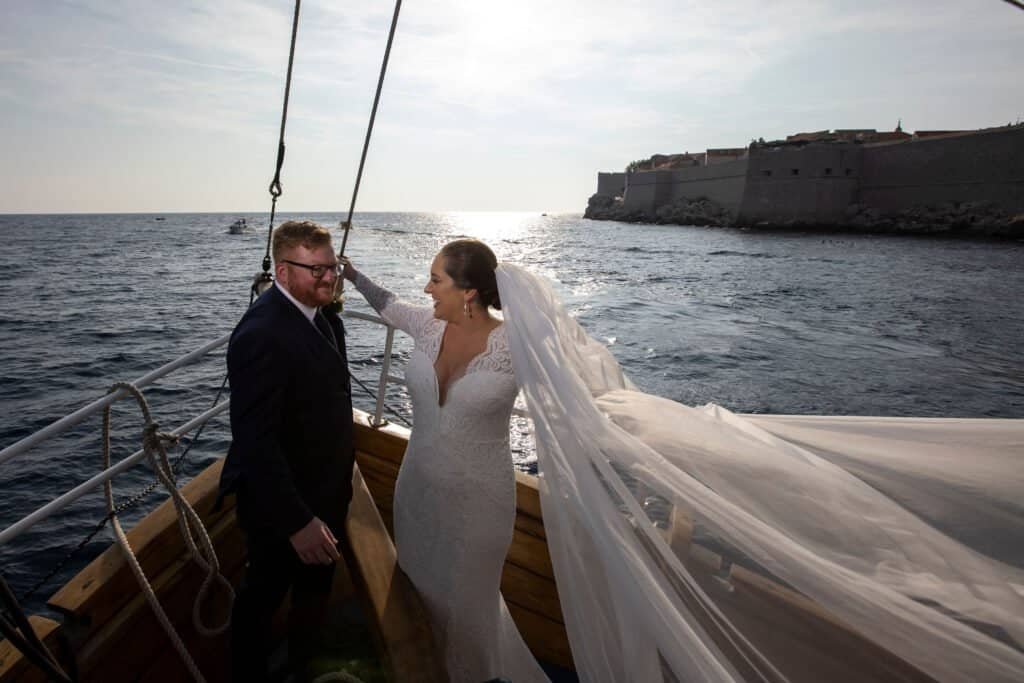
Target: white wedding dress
(454,505)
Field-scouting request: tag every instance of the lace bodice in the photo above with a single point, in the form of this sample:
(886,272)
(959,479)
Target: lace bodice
(478,403)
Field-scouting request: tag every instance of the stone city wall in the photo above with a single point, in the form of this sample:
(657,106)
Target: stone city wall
(611,184)
(987,166)
(722,183)
(812,184)
(971,184)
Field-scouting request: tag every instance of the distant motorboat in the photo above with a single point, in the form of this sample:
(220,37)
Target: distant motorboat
(238,227)
(160,218)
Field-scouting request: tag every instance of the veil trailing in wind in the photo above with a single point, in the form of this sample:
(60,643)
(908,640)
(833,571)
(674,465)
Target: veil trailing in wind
(694,544)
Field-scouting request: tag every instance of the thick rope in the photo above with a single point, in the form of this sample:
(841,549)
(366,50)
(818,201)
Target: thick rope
(188,521)
(124,505)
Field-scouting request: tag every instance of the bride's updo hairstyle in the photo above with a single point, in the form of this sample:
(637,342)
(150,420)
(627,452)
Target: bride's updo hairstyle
(470,264)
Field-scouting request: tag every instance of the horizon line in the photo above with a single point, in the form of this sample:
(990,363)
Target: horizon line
(341,211)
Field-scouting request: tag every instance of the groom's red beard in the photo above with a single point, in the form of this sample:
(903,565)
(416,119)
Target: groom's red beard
(319,294)
(325,291)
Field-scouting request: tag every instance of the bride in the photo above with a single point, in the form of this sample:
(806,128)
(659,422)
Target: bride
(852,518)
(454,505)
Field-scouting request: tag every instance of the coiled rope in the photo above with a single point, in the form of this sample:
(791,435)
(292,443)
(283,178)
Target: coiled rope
(153,444)
(123,506)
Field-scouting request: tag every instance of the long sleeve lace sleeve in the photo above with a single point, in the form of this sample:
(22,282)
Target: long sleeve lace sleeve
(406,317)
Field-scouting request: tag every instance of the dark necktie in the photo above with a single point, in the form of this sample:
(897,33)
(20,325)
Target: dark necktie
(321,324)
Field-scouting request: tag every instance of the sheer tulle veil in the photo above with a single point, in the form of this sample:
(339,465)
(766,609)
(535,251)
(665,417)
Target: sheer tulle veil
(655,511)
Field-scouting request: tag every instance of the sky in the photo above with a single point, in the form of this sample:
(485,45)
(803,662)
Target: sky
(156,106)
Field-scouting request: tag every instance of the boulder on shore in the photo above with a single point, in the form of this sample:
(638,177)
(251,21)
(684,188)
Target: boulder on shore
(700,211)
(963,219)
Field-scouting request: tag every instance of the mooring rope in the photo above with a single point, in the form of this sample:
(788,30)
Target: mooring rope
(124,505)
(188,521)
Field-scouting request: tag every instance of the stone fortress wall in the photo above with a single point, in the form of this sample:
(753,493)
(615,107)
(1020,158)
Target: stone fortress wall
(722,183)
(949,181)
(982,167)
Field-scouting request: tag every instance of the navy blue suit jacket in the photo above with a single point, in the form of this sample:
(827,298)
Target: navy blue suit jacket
(292,449)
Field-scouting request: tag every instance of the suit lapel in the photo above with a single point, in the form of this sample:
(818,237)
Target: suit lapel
(308,330)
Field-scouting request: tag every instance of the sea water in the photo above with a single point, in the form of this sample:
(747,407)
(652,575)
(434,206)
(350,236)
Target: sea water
(796,323)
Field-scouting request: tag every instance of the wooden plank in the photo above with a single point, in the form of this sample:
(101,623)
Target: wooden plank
(212,655)
(397,610)
(546,638)
(107,583)
(680,532)
(530,591)
(16,667)
(805,641)
(387,442)
(384,468)
(530,553)
(530,525)
(527,495)
(122,646)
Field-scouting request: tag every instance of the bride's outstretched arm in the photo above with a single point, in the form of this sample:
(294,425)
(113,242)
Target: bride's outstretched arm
(406,317)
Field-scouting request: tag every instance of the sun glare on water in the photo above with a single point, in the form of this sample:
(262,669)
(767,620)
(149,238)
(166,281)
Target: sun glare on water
(491,226)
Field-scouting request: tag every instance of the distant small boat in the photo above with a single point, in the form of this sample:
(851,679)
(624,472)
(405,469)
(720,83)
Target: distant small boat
(160,218)
(238,227)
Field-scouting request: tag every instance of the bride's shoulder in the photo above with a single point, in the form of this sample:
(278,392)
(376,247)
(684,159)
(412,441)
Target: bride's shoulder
(499,336)
(496,357)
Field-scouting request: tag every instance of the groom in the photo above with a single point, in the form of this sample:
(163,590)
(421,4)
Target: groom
(290,460)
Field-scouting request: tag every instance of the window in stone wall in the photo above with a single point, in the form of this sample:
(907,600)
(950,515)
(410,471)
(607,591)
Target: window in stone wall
(849,171)
(796,171)
(766,172)
(828,171)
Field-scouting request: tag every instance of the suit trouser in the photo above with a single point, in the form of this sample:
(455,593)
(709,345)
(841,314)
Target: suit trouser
(273,568)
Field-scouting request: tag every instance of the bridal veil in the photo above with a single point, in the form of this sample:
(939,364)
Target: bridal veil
(694,544)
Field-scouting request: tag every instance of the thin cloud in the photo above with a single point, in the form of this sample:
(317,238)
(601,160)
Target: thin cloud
(559,87)
(171,59)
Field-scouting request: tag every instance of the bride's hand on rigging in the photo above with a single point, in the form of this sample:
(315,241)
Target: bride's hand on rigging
(348,270)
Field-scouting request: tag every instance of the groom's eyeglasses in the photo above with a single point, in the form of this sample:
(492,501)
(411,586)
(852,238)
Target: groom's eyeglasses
(318,271)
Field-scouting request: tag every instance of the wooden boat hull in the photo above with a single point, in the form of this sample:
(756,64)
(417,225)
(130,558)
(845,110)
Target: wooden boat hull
(115,636)
(803,640)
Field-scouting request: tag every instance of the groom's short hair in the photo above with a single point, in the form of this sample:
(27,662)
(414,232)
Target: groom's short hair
(291,234)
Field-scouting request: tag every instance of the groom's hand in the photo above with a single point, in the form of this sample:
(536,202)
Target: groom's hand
(315,544)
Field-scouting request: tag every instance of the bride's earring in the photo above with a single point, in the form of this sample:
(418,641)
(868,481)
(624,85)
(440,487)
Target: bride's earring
(466,309)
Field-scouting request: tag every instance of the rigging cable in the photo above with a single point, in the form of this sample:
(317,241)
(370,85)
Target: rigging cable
(263,280)
(347,224)
(18,631)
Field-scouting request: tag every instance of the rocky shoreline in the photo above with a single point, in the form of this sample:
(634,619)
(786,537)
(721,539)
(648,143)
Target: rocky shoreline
(953,219)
